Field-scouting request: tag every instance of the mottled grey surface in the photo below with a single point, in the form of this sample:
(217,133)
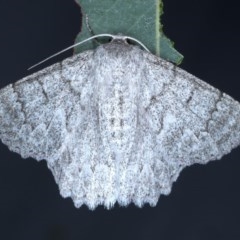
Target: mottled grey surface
(117,124)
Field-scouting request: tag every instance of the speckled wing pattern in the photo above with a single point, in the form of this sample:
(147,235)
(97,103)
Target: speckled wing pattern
(117,124)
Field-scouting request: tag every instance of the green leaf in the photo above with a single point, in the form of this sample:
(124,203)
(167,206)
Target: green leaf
(138,19)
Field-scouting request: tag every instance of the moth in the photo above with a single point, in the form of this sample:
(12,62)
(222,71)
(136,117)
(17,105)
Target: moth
(117,124)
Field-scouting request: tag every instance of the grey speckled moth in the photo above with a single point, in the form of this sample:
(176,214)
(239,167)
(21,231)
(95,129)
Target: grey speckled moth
(117,124)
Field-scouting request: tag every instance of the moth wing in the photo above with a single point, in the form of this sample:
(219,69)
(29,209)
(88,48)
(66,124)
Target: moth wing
(39,112)
(188,120)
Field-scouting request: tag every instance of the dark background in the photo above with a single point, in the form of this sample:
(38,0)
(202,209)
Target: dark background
(205,201)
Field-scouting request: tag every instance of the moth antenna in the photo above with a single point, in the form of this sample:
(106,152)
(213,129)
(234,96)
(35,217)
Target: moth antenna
(74,45)
(137,41)
(88,39)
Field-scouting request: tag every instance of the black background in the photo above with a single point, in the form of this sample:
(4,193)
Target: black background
(205,201)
